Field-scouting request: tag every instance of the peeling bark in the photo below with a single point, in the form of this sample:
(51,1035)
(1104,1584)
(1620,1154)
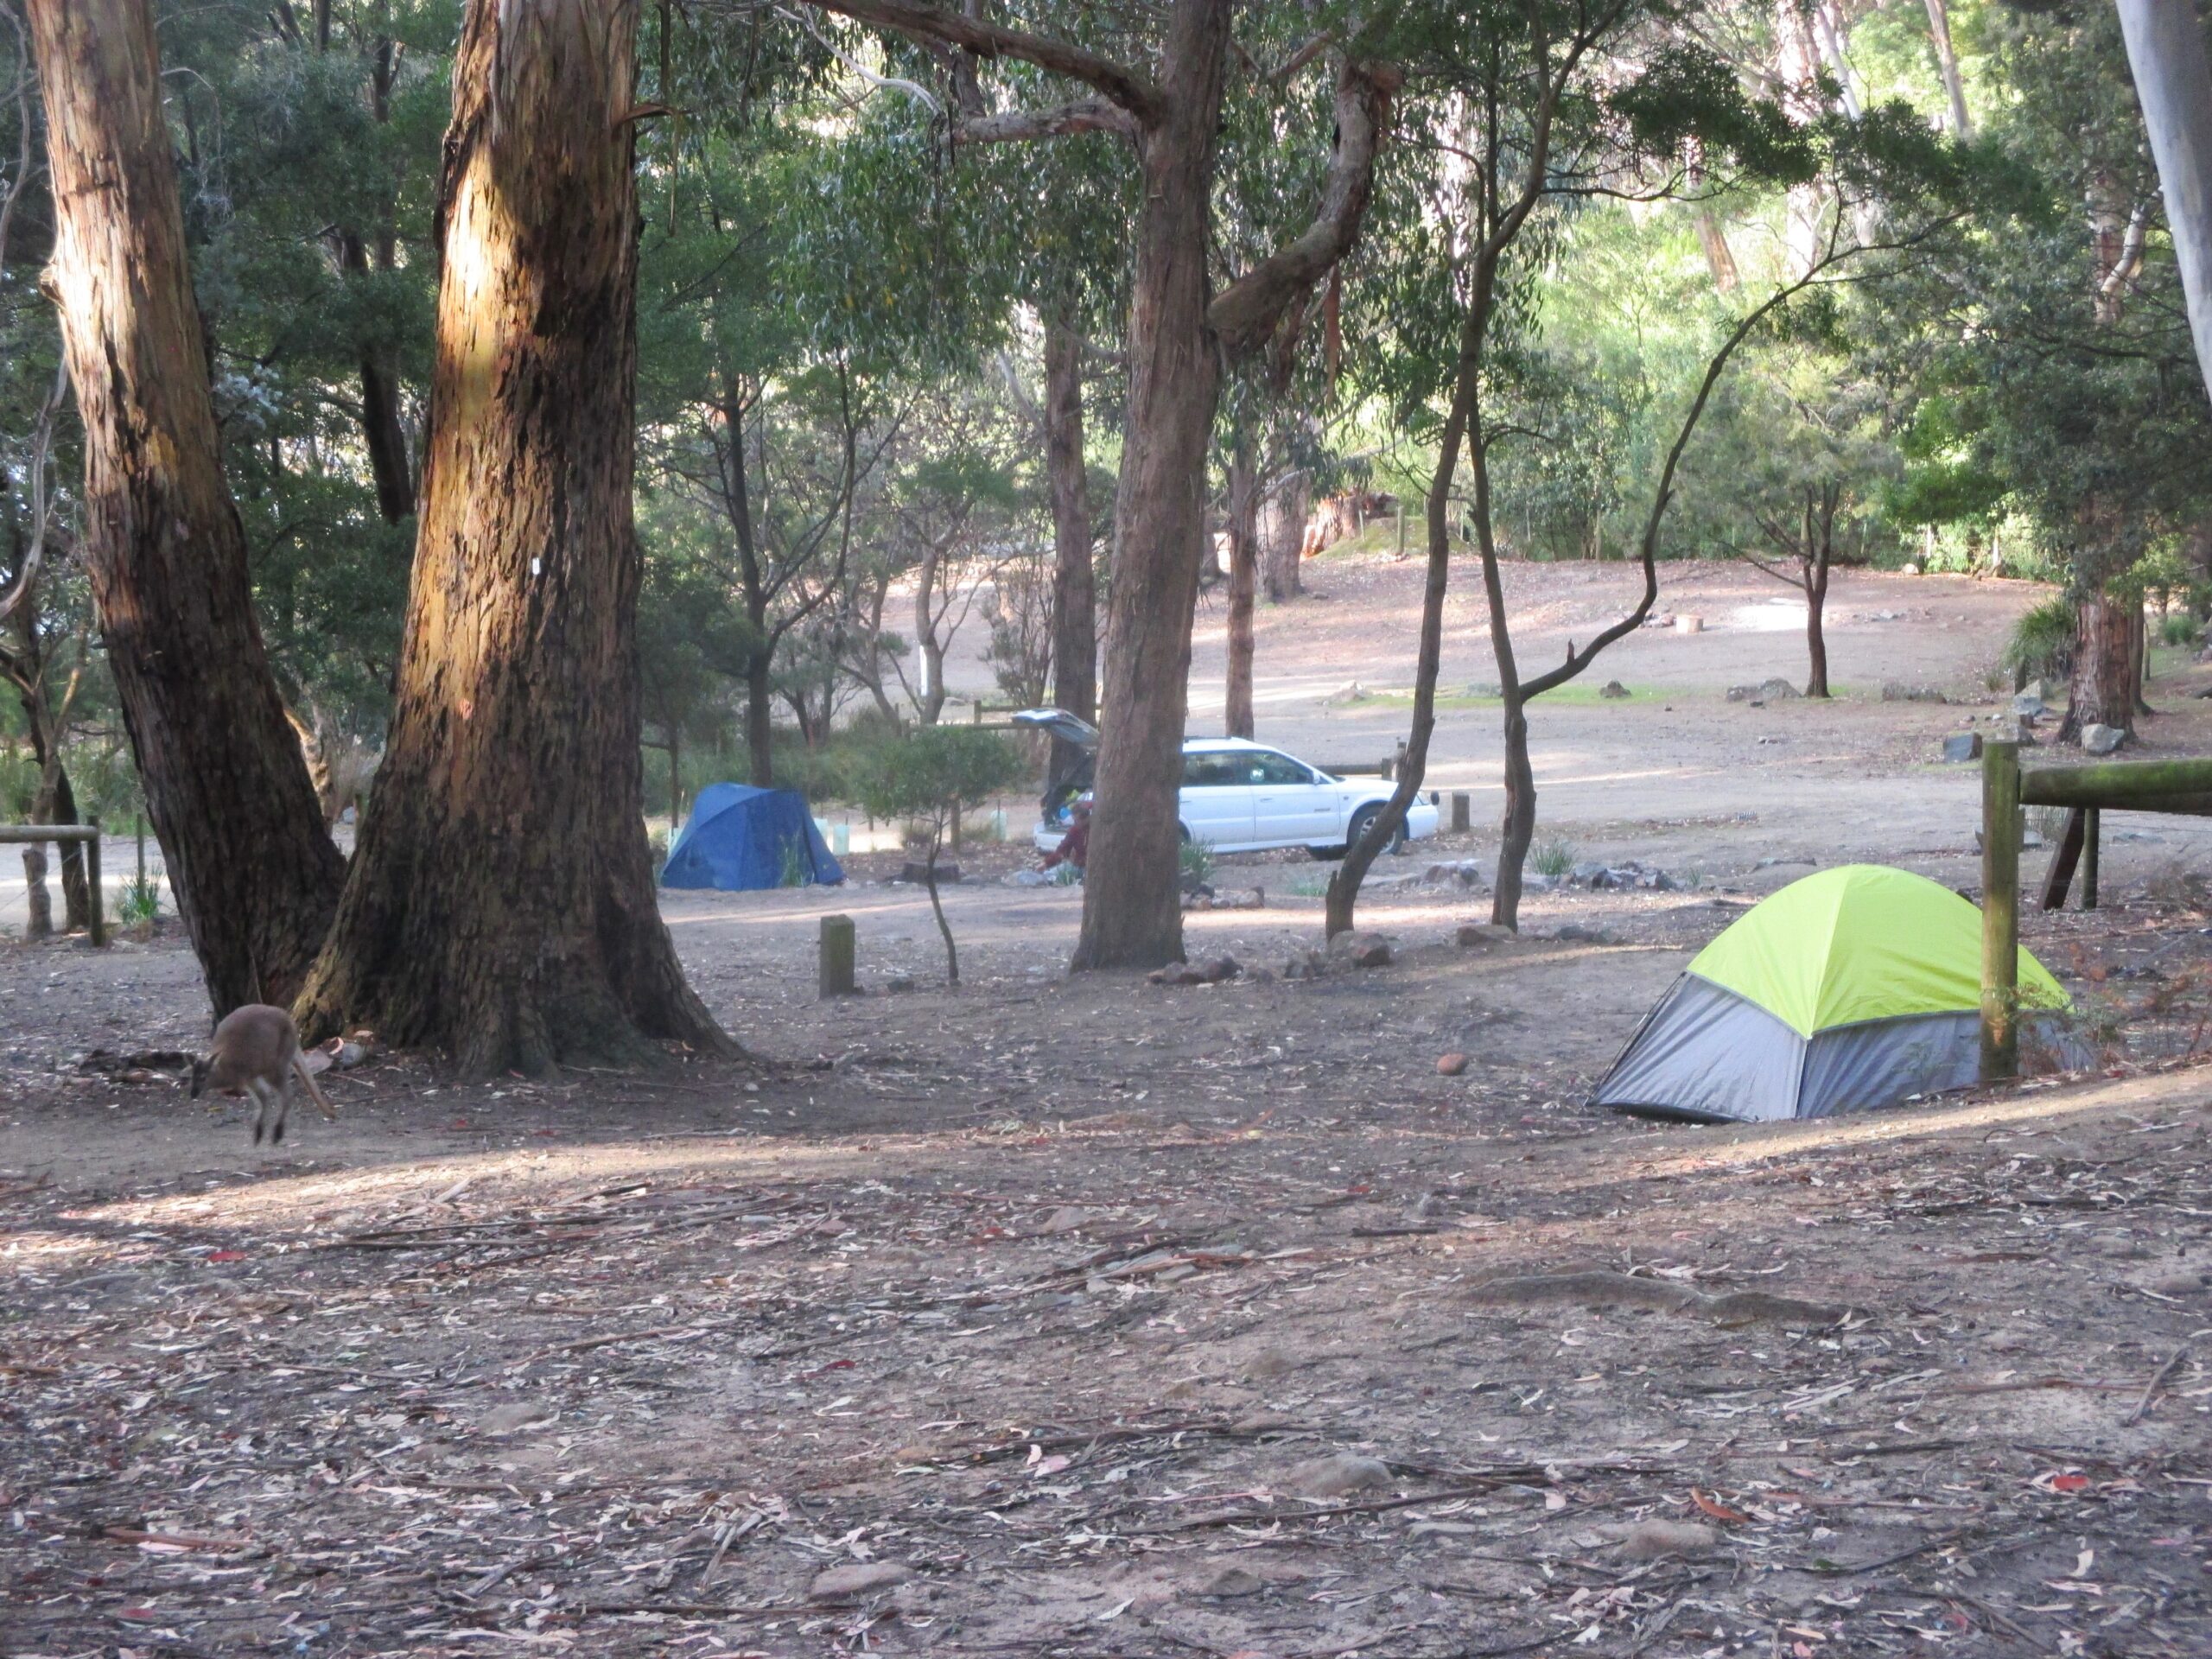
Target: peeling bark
(502,904)
(255,876)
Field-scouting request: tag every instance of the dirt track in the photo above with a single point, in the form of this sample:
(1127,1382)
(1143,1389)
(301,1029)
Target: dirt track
(1045,1290)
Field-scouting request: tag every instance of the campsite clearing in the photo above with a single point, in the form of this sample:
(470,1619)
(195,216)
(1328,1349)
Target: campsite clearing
(1071,1297)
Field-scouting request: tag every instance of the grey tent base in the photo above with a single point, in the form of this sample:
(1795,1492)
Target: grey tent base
(1707,1055)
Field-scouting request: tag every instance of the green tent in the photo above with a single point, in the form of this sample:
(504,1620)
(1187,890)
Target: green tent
(1853,988)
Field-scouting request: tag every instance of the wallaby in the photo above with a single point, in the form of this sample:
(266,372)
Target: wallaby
(256,1051)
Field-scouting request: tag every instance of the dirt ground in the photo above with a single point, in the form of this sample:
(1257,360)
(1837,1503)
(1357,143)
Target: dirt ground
(1103,1318)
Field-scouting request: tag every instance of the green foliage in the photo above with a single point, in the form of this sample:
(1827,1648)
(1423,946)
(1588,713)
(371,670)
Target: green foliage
(2041,645)
(1195,858)
(2180,628)
(141,901)
(934,774)
(1554,858)
(794,868)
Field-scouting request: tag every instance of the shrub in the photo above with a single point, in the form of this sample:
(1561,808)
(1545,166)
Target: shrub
(1196,860)
(934,776)
(1553,858)
(2181,629)
(2042,642)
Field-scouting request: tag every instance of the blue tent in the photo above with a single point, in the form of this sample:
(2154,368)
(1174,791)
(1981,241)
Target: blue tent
(736,840)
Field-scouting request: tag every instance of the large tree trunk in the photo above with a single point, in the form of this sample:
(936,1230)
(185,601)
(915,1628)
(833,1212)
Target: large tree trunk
(502,904)
(1075,581)
(2107,662)
(2166,50)
(1132,906)
(1243,582)
(254,873)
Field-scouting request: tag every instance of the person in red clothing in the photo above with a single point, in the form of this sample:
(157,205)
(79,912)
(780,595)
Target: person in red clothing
(1075,846)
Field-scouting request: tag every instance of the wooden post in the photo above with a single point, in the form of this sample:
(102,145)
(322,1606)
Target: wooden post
(839,950)
(2000,910)
(1401,529)
(2090,857)
(92,884)
(2064,860)
(1462,811)
(41,924)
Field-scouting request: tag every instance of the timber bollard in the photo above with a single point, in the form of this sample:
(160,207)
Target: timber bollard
(86,835)
(839,948)
(2000,910)
(1462,811)
(2089,829)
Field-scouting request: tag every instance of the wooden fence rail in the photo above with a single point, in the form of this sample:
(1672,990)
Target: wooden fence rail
(37,835)
(2183,787)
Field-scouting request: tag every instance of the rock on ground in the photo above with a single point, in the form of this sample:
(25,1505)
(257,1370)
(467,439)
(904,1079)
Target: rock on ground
(2102,740)
(1362,950)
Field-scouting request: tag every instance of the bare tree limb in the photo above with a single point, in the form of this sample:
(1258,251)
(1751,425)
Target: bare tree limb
(1244,314)
(1132,91)
(42,446)
(1085,115)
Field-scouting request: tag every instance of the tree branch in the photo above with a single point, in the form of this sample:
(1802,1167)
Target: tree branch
(1244,314)
(1085,115)
(1132,91)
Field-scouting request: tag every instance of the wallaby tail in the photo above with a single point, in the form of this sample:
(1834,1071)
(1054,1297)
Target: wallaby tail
(315,1089)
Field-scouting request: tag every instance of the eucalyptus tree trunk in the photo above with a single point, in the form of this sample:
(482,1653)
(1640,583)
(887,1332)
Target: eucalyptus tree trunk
(1946,63)
(1282,530)
(929,701)
(1132,910)
(502,903)
(1820,556)
(1075,584)
(255,876)
(2107,681)
(1243,583)
(2166,50)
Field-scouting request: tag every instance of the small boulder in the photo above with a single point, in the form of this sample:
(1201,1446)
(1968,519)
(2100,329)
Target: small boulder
(1452,1064)
(2029,706)
(1480,936)
(1962,745)
(899,982)
(1575,933)
(860,1579)
(1362,950)
(918,872)
(1776,689)
(1612,688)
(1689,624)
(1899,692)
(1340,1474)
(2102,740)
